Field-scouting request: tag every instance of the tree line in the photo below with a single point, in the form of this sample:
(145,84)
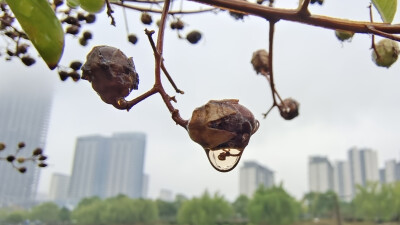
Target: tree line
(272,206)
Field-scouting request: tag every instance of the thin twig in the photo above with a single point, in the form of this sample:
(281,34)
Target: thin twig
(110,11)
(144,9)
(303,8)
(373,36)
(270,61)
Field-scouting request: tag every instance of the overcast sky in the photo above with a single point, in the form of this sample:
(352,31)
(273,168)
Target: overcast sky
(345,100)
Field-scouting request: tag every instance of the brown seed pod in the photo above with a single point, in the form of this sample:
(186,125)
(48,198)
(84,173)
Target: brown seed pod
(223,128)
(260,61)
(112,74)
(289,108)
(193,37)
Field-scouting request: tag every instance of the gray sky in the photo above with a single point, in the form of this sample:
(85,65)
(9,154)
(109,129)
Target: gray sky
(345,100)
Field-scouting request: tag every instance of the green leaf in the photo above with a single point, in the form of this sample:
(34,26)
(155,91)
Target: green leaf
(386,8)
(43,28)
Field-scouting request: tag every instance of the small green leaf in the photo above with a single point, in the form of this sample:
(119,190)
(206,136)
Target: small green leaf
(386,8)
(43,28)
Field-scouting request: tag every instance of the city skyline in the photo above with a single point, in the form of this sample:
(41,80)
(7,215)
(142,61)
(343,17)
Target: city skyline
(345,176)
(108,166)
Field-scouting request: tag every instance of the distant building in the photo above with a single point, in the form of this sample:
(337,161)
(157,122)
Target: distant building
(252,175)
(166,195)
(59,188)
(382,176)
(25,105)
(363,167)
(391,171)
(108,166)
(342,180)
(320,174)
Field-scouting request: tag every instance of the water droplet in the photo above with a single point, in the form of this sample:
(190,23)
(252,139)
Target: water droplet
(224,160)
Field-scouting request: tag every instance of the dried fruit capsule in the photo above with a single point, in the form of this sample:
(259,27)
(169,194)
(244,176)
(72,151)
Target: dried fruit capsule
(260,61)
(21,160)
(193,37)
(74,75)
(223,128)
(83,41)
(289,109)
(112,74)
(132,38)
(42,164)
(71,20)
(42,157)
(22,48)
(344,35)
(178,24)
(387,52)
(146,18)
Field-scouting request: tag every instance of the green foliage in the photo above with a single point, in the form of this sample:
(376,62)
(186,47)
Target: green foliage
(386,8)
(240,206)
(47,212)
(117,210)
(375,202)
(320,205)
(167,211)
(205,210)
(42,26)
(64,215)
(273,206)
(16,217)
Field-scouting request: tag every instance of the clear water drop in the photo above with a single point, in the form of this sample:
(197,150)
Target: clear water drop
(224,160)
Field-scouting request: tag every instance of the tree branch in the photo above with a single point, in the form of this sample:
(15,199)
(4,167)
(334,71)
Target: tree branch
(293,15)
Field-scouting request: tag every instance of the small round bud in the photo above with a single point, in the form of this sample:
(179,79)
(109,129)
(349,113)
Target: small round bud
(223,128)
(21,144)
(112,74)
(74,75)
(387,52)
(21,160)
(90,18)
(146,18)
(63,75)
(193,37)
(178,24)
(22,48)
(260,61)
(37,151)
(289,108)
(237,15)
(42,158)
(10,158)
(42,165)
(58,2)
(28,61)
(71,20)
(2,146)
(75,65)
(83,41)
(132,38)
(22,169)
(344,35)
(72,29)
(87,35)
(80,16)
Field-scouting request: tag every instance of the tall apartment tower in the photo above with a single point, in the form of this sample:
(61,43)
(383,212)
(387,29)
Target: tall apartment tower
(59,188)
(320,174)
(390,171)
(252,175)
(342,180)
(363,167)
(108,166)
(24,117)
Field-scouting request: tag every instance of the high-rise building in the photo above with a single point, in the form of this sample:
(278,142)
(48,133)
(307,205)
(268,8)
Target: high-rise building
(108,166)
(363,167)
(320,174)
(25,105)
(125,165)
(59,188)
(342,180)
(252,175)
(382,176)
(390,171)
